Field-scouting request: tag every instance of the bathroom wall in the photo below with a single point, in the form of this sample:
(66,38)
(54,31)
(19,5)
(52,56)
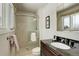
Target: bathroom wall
(25,25)
(4,43)
(51,10)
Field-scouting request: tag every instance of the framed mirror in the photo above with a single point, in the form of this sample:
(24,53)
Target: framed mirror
(68,19)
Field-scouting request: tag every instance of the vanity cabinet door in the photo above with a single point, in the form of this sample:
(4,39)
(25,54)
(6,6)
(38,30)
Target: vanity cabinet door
(47,51)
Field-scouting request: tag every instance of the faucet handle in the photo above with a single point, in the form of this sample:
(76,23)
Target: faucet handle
(62,40)
(54,37)
(72,43)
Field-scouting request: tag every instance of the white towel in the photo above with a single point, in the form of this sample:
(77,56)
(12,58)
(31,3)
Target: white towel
(16,42)
(33,36)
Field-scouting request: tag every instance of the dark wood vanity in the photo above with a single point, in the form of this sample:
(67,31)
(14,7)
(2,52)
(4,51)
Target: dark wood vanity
(48,51)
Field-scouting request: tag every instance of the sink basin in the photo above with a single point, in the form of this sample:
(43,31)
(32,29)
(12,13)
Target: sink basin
(60,45)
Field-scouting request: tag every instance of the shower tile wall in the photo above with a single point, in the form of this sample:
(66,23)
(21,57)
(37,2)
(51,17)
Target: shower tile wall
(25,25)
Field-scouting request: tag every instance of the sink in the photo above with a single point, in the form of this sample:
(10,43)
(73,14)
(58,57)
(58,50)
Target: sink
(60,45)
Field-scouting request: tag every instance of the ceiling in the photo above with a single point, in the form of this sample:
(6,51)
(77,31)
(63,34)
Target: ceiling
(30,7)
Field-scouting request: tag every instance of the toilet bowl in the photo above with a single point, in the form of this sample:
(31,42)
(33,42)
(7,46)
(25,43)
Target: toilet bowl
(36,51)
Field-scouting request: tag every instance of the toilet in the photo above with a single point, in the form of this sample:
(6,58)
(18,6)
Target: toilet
(36,51)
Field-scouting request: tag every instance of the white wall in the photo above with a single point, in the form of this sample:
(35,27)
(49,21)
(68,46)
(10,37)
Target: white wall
(25,13)
(4,43)
(51,10)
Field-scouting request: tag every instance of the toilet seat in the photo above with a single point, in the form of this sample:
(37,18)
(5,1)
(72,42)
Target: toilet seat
(36,51)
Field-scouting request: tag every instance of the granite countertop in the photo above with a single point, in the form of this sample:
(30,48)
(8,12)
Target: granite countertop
(69,52)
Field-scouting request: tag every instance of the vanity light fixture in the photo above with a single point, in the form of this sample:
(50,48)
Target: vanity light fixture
(47,22)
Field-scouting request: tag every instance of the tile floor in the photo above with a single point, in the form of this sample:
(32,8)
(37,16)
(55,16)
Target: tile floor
(24,52)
